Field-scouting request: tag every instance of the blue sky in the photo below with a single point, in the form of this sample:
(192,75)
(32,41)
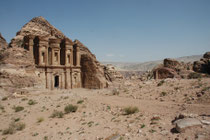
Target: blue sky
(120,30)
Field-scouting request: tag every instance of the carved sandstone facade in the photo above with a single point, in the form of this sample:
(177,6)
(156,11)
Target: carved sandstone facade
(57,60)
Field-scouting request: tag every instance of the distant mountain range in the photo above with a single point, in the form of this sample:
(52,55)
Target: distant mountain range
(147,66)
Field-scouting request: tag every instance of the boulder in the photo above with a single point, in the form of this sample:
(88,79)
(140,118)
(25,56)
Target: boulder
(170,63)
(207,55)
(111,73)
(183,124)
(164,72)
(203,66)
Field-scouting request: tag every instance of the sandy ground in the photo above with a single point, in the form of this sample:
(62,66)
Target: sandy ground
(101,116)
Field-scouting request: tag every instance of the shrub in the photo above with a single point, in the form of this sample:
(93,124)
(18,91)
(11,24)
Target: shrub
(160,83)
(41,119)
(18,108)
(9,130)
(143,125)
(32,102)
(115,92)
(130,110)
(206,89)
(20,126)
(13,127)
(194,75)
(163,94)
(4,98)
(57,114)
(80,101)
(70,108)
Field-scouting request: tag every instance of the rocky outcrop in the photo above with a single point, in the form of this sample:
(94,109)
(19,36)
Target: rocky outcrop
(171,68)
(38,26)
(17,70)
(203,66)
(3,42)
(93,74)
(111,73)
(164,72)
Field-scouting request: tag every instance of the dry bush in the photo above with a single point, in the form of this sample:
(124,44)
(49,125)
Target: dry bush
(32,102)
(130,110)
(161,83)
(70,108)
(57,114)
(194,75)
(13,127)
(80,101)
(18,108)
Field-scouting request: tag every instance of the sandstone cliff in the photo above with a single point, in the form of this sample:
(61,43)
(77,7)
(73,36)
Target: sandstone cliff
(93,73)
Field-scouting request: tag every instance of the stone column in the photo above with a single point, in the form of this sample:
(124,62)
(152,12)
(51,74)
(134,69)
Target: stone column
(68,51)
(52,58)
(31,44)
(78,56)
(48,80)
(46,55)
(43,45)
(55,45)
(67,79)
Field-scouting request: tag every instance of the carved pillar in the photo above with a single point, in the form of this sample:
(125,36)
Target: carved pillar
(31,44)
(55,45)
(43,45)
(78,56)
(68,52)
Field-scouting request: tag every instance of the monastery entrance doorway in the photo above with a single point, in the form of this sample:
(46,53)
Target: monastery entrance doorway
(56,85)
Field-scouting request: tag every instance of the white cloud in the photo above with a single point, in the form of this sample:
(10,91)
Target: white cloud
(110,55)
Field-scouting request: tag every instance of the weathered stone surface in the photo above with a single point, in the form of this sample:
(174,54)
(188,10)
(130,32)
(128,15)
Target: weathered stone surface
(3,42)
(207,55)
(38,26)
(183,124)
(203,66)
(92,71)
(171,68)
(111,73)
(170,63)
(164,72)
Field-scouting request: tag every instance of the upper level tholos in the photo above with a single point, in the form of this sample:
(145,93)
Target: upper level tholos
(49,51)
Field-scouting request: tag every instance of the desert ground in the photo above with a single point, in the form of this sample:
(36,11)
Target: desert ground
(101,115)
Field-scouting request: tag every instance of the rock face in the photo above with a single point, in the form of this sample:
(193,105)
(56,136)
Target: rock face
(3,42)
(172,69)
(164,72)
(17,70)
(203,66)
(111,73)
(92,72)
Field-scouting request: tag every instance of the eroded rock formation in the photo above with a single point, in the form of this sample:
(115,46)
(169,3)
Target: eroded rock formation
(38,31)
(171,68)
(203,66)
(3,42)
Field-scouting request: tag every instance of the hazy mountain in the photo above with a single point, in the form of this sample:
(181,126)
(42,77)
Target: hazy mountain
(144,66)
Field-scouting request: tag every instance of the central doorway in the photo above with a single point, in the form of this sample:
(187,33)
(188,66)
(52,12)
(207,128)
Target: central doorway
(56,85)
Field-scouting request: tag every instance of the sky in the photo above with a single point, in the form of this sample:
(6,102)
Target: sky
(120,30)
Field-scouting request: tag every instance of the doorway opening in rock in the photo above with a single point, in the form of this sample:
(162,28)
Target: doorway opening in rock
(56,85)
